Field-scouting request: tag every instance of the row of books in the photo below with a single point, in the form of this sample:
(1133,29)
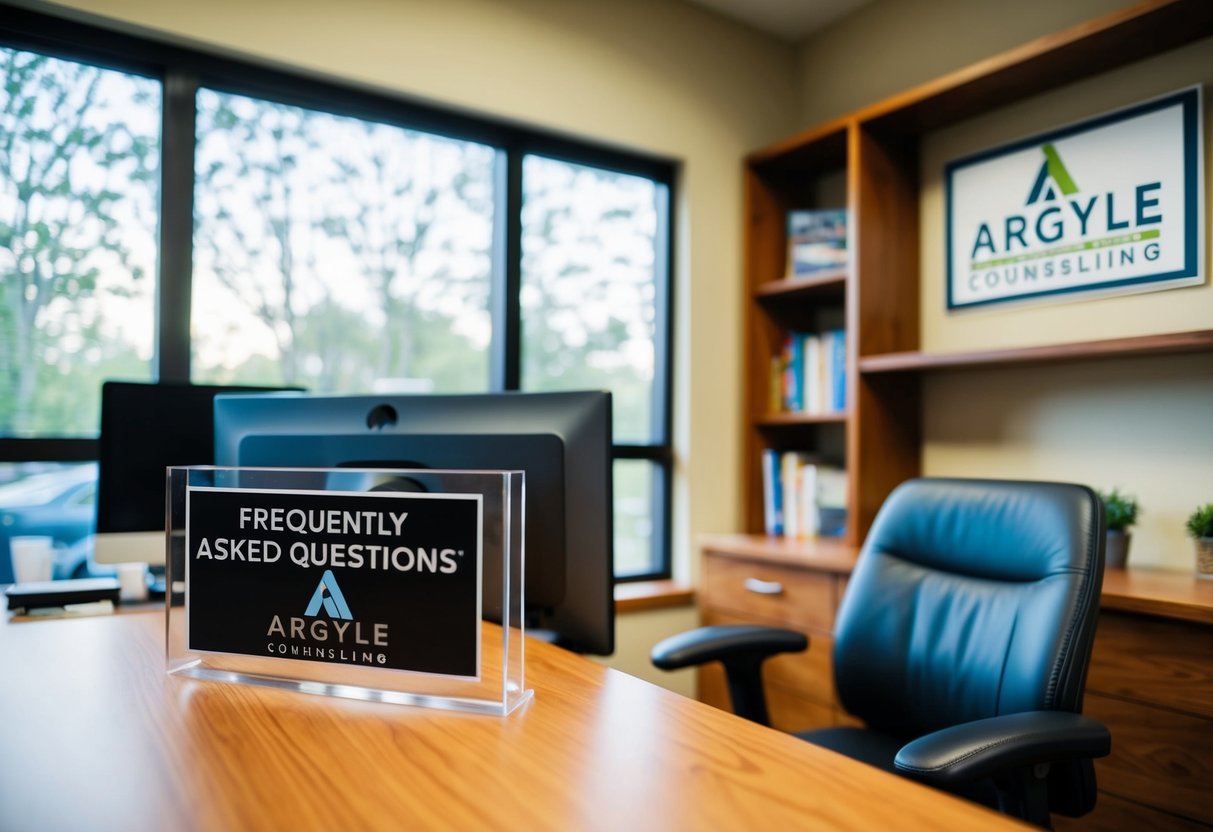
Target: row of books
(817,242)
(802,497)
(810,375)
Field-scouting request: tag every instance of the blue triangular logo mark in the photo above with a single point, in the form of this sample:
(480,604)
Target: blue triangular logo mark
(328,595)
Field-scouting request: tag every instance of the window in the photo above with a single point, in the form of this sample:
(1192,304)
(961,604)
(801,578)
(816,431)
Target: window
(79,158)
(290,230)
(338,254)
(592,281)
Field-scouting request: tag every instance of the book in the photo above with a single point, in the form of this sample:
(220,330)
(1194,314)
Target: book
(808,522)
(817,242)
(838,373)
(790,475)
(812,374)
(831,500)
(775,385)
(793,361)
(772,492)
(823,372)
(803,497)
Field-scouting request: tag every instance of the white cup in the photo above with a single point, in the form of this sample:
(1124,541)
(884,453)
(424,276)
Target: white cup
(132,581)
(33,558)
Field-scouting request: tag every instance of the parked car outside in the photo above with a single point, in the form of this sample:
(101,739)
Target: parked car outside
(60,504)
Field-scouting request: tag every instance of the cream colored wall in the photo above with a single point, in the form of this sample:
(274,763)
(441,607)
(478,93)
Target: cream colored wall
(635,635)
(663,77)
(1140,424)
(889,46)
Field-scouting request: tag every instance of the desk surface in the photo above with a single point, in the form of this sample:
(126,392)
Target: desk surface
(95,735)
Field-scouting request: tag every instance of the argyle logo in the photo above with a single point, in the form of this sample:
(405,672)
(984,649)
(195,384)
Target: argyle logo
(1052,173)
(329,597)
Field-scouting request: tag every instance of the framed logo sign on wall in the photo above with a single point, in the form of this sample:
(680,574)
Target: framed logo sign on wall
(1111,205)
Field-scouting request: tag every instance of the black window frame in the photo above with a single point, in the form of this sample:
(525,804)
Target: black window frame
(183,67)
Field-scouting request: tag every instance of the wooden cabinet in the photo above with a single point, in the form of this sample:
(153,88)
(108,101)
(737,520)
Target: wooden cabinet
(1151,683)
(869,162)
(773,582)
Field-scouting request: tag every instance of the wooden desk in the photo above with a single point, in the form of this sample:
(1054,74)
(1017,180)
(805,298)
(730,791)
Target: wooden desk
(95,735)
(1150,679)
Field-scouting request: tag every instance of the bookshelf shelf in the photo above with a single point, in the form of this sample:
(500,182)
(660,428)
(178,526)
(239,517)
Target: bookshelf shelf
(1166,344)
(777,420)
(831,284)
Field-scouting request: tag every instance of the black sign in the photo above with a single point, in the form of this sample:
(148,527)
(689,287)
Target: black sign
(385,579)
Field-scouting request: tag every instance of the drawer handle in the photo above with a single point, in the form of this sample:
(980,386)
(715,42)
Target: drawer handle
(764,587)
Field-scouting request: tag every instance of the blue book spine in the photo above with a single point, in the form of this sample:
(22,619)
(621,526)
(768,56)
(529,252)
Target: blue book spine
(772,492)
(838,358)
(793,385)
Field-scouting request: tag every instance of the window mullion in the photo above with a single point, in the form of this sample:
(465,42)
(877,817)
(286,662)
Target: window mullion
(510,320)
(176,227)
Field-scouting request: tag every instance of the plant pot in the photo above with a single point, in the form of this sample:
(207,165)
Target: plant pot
(1117,549)
(1204,558)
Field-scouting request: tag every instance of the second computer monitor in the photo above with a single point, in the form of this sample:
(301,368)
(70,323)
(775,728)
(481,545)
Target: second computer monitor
(146,427)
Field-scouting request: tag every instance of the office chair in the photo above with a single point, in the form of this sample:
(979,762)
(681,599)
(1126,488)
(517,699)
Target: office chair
(962,642)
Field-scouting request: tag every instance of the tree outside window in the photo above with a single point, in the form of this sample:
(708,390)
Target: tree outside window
(79,157)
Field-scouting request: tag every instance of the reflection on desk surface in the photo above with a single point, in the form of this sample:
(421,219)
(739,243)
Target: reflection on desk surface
(98,736)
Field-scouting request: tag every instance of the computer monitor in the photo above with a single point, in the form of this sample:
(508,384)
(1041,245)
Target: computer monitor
(562,441)
(145,428)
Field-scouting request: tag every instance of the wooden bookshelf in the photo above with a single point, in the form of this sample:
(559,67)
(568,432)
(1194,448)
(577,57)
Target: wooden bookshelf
(875,150)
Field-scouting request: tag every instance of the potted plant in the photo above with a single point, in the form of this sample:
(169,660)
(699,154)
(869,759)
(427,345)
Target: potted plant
(1200,526)
(1120,513)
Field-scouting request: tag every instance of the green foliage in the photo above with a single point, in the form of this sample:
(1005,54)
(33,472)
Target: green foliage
(1200,523)
(346,253)
(1120,510)
(77,196)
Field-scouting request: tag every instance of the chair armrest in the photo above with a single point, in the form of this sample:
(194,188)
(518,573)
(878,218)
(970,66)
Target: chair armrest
(725,644)
(987,747)
(741,649)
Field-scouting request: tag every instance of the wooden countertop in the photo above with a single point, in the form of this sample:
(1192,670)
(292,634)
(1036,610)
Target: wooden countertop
(1178,595)
(823,554)
(1166,594)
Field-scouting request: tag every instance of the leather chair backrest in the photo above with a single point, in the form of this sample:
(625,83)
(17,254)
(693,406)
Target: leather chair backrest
(971,599)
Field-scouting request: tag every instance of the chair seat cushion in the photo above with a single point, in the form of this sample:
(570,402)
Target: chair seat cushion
(879,750)
(871,747)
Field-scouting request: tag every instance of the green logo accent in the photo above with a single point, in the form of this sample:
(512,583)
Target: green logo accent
(1051,169)
(1088,245)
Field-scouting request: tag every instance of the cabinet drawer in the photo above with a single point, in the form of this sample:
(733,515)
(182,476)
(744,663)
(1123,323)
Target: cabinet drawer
(1159,757)
(809,674)
(790,710)
(773,594)
(1114,814)
(1161,662)
(791,713)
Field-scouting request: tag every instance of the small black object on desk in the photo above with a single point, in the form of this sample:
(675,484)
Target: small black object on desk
(41,594)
